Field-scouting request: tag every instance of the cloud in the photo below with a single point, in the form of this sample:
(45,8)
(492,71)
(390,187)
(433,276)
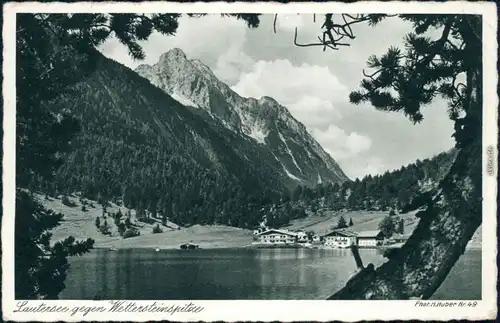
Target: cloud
(340,144)
(360,166)
(315,112)
(349,150)
(288,83)
(315,97)
(205,38)
(232,64)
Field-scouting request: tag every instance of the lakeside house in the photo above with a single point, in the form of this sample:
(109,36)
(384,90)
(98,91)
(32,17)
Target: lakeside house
(276,236)
(337,238)
(259,229)
(317,238)
(340,238)
(302,237)
(372,238)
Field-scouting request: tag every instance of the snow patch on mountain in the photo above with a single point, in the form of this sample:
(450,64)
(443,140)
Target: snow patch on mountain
(290,174)
(287,172)
(258,135)
(289,152)
(250,124)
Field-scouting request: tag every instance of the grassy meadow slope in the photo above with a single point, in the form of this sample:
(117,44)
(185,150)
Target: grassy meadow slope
(81,225)
(363,221)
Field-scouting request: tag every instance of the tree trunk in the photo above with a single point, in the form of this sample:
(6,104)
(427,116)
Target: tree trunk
(445,227)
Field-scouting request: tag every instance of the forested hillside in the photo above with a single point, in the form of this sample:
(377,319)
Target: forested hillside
(391,190)
(138,145)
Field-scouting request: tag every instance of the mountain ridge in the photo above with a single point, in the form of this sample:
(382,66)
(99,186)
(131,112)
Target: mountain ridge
(140,146)
(264,120)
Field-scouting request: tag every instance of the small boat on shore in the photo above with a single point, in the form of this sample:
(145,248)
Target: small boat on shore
(157,249)
(189,246)
(113,249)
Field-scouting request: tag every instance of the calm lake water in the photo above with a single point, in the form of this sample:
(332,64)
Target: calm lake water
(237,274)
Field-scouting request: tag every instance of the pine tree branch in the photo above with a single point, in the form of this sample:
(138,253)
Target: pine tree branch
(437,45)
(331,28)
(344,29)
(310,44)
(371,76)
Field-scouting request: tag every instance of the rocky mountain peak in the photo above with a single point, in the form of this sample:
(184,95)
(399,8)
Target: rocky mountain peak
(202,67)
(173,55)
(267,100)
(263,121)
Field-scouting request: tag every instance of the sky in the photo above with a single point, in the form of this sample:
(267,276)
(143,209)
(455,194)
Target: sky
(313,84)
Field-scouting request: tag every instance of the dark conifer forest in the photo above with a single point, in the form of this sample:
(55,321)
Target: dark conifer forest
(139,146)
(392,190)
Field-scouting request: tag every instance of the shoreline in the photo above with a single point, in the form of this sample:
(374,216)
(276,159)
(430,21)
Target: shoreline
(81,225)
(250,246)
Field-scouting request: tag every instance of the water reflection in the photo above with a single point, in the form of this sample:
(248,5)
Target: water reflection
(237,274)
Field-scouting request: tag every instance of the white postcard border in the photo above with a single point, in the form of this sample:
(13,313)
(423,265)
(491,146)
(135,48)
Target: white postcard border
(259,310)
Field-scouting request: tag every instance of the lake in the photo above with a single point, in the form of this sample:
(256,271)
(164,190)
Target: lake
(217,274)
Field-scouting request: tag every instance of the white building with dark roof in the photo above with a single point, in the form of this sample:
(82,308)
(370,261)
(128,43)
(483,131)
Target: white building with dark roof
(258,230)
(369,239)
(340,238)
(275,236)
(302,236)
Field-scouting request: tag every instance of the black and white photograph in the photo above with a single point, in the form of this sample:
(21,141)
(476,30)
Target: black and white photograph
(198,156)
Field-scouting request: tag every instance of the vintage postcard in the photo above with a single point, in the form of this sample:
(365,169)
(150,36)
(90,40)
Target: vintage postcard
(249,161)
